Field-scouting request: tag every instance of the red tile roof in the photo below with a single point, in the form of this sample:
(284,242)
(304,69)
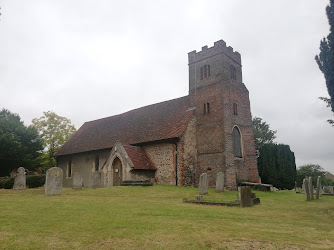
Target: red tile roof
(155,122)
(139,158)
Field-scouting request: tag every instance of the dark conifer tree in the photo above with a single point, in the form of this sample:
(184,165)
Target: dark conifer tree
(325,59)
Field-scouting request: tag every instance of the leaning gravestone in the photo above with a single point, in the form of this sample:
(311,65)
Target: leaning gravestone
(96,180)
(317,194)
(54,181)
(77,180)
(245,196)
(307,190)
(328,190)
(310,186)
(20,179)
(220,182)
(203,184)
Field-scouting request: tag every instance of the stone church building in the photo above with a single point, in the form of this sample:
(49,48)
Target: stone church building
(174,142)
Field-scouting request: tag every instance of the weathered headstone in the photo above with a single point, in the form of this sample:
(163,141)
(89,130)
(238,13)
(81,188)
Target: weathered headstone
(199,197)
(317,194)
(220,182)
(298,190)
(20,179)
(245,196)
(203,184)
(303,187)
(54,181)
(307,190)
(328,190)
(310,186)
(96,180)
(77,180)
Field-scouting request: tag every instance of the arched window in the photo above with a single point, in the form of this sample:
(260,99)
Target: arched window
(236,137)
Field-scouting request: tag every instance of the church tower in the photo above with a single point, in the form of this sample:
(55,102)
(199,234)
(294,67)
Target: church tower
(224,134)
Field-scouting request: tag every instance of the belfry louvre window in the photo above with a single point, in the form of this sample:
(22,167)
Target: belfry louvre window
(235,109)
(236,142)
(233,72)
(205,71)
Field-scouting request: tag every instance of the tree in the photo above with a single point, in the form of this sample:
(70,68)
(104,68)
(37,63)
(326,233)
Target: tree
(312,170)
(277,166)
(325,59)
(262,133)
(55,130)
(19,145)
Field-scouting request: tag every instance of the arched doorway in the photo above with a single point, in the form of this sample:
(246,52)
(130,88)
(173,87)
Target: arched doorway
(117,172)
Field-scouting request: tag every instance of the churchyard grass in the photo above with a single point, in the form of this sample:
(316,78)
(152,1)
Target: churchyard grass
(155,217)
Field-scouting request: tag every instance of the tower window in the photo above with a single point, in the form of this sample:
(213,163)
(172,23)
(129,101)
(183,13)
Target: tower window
(233,72)
(206,109)
(97,163)
(236,137)
(205,71)
(235,109)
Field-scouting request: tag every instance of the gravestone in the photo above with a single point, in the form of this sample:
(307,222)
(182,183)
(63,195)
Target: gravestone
(203,184)
(96,180)
(303,186)
(77,180)
(298,190)
(220,182)
(199,197)
(317,194)
(20,179)
(310,186)
(245,196)
(54,181)
(307,190)
(328,190)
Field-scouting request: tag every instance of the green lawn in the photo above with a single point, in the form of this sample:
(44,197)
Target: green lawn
(155,217)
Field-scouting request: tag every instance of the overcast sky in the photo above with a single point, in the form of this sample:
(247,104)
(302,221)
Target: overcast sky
(90,59)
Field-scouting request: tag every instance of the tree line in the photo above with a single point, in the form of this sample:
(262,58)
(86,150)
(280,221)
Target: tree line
(33,146)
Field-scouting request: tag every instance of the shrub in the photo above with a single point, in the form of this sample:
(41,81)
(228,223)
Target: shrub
(34,181)
(9,183)
(2,181)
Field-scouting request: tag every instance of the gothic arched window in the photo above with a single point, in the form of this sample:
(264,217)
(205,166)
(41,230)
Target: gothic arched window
(236,137)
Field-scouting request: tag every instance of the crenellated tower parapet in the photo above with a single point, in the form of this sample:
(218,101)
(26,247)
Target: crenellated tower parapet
(219,47)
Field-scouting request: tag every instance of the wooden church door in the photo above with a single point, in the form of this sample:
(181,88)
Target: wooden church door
(117,172)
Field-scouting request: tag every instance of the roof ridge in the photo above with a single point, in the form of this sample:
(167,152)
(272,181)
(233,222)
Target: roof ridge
(149,105)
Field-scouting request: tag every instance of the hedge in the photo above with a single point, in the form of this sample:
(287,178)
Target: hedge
(32,181)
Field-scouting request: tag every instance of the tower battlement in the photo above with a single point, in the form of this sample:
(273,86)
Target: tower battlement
(218,47)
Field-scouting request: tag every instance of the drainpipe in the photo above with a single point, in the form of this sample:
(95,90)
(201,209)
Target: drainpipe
(176,177)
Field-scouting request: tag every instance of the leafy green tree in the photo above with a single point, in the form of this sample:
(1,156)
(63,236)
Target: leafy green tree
(19,145)
(55,130)
(325,59)
(312,170)
(262,133)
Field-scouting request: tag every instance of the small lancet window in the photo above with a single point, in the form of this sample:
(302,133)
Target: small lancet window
(235,109)
(233,72)
(97,163)
(236,142)
(206,109)
(69,168)
(205,71)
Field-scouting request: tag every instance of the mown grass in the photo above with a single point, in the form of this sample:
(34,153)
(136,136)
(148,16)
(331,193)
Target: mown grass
(155,217)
